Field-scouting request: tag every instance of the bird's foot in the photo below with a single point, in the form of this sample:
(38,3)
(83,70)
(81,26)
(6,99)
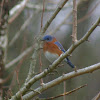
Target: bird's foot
(61,65)
(53,72)
(75,69)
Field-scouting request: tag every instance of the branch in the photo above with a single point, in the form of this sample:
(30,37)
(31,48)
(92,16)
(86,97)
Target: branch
(78,21)
(64,96)
(15,11)
(74,34)
(60,79)
(25,24)
(97,97)
(37,43)
(4,14)
(58,61)
(23,54)
(66,93)
(87,15)
(48,8)
(60,6)
(62,23)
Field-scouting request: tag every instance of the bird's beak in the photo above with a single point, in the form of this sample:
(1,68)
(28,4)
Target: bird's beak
(42,39)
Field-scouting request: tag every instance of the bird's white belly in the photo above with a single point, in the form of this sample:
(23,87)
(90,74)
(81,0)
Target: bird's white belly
(51,57)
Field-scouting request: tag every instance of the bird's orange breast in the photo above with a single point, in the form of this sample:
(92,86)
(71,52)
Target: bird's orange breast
(52,48)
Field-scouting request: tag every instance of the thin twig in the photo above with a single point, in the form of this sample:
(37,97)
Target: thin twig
(25,24)
(9,93)
(23,3)
(62,23)
(2,81)
(22,50)
(60,6)
(40,61)
(66,93)
(18,83)
(33,61)
(48,8)
(62,78)
(97,97)
(74,34)
(37,43)
(78,21)
(64,98)
(87,15)
(12,84)
(23,54)
(42,15)
(1,11)
(30,82)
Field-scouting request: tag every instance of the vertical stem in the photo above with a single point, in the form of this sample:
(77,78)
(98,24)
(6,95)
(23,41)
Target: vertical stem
(41,80)
(74,34)
(64,97)
(42,15)
(3,39)
(40,62)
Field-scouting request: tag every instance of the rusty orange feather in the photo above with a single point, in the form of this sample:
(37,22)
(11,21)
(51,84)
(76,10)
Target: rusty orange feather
(51,47)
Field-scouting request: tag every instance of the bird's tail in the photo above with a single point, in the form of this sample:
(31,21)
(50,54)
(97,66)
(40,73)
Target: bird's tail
(69,63)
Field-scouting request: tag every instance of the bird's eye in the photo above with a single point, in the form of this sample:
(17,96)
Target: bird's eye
(47,38)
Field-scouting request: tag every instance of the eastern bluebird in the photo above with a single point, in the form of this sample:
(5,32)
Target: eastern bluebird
(53,49)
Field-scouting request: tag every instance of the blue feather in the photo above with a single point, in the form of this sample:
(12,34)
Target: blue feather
(60,46)
(63,50)
(69,63)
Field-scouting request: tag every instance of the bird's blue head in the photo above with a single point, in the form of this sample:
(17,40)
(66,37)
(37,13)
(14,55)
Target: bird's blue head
(47,38)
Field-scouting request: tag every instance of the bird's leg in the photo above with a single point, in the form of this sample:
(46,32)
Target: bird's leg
(70,55)
(75,69)
(34,91)
(53,72)
(61,65)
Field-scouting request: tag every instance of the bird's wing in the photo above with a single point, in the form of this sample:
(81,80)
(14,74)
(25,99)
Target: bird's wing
(59,46)
(63,50)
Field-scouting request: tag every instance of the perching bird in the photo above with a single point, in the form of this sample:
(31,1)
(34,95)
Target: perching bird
(53,49)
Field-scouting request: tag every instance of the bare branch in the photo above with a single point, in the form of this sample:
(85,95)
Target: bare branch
(74,34)
(48,8)
(53,66)
(4,13)
(97,97)
(23,54)
(62,23)
(64,96)
(62,78)
(66,93)
(60,6)
(89,13)
(25,24)
(37,43)
(17,78)
(78,21)
(16,11)
(40,61)
(85,37)
(1,11)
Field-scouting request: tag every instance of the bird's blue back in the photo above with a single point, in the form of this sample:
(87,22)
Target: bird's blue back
(63,50)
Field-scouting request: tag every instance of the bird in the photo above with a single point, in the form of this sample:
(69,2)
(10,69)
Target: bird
(53,49)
